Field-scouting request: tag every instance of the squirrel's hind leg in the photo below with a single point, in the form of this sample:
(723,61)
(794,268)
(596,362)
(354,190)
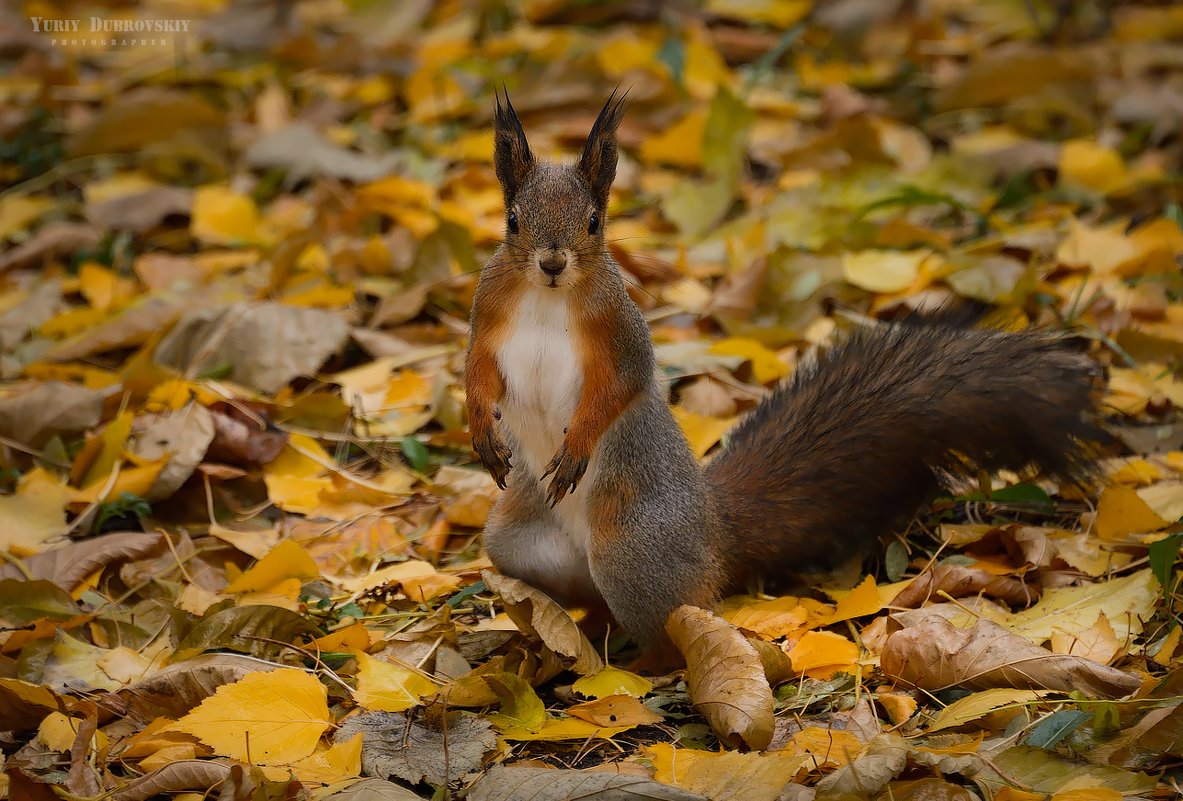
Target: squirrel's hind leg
(527,541)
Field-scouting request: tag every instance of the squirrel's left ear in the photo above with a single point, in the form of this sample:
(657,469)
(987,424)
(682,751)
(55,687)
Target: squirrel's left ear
(512,158)
(598,162)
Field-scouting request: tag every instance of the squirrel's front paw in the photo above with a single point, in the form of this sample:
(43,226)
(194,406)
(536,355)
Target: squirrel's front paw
(568,469)
(494,455)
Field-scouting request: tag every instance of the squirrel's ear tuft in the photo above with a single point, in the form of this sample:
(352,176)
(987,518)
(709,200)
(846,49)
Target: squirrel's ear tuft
(511,152)
(598,162)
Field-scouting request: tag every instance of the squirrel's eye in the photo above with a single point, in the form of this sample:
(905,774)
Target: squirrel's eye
(593,224)
(512,222)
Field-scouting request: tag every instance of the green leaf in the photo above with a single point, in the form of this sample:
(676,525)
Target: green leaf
(23,602)
(1162,561)
(416,453)
(1052,730)
(673,55)
(1022,493)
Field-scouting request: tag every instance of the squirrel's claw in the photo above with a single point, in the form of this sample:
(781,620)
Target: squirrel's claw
(567,470)
(494,455)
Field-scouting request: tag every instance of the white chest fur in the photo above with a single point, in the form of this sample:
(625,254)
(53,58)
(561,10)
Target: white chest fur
(539,361)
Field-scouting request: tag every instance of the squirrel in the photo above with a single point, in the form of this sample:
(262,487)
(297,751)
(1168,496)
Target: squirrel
(604,506)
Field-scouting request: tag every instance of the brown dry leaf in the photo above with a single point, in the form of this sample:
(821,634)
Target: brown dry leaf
(436,748)
(507,782)
(68,565)
(1099,643)
(961,581)
(264,345)
(32,413)
(934,655)
(725,677)
(133,326)
(536,613)
(179,438)
(51,241)
(244,440)
(189,774)
(144,117)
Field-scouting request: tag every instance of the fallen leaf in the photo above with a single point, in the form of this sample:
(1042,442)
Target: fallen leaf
(535,613)
(935,655)
(266,718)
(725,677)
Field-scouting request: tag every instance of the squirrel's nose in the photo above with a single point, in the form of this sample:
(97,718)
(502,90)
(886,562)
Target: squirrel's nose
(553,265)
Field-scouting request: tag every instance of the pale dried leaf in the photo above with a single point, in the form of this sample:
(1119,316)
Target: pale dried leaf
(536,613)
(437,749)
(265,345)
(934,655)
(508,783)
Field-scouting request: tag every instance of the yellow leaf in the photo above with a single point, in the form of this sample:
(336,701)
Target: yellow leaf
(899,707)
(705,70)
(1120,512)
(1138,24)
(777,13)
(296,494)
(701,432)
(58,732)
(883,270)
(287,560)
(1088,794)
(354,637)
(613,681)
(772,618)
(825,748)
(109,450)
(321,296)
(1105,249)
(121,184)
(726,774)
(99,285)
(135,480)
(1085,163)
(627,50)
(387,687)
(522,711)
(336,763)
(681,144)
(822,654)
(863,600)
(84,374)
(766,367)
(17,211)
(1137,472)
(72,321)
(34,514)
(222,216)
(295,478)
(978,705)
(1166,648)
(266,718)
(554,729)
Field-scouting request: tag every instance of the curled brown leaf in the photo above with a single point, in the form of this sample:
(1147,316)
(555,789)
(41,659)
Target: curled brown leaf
(725,675)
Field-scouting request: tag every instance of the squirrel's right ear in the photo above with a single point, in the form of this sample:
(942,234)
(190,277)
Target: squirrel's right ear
(511,152)
(598,162)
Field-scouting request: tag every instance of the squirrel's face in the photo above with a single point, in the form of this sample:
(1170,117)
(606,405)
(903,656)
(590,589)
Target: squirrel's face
(554,214)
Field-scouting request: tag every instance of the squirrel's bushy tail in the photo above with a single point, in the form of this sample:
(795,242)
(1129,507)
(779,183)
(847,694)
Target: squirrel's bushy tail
(857,440)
